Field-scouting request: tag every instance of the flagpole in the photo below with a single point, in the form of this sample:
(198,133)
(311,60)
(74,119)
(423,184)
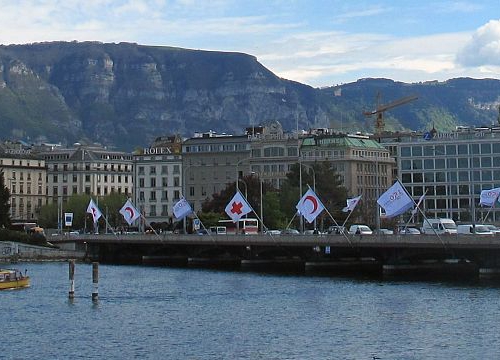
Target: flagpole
(426,219)
(331,216)
(491,207)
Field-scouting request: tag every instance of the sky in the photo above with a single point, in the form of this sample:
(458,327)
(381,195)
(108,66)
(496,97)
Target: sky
(315,42)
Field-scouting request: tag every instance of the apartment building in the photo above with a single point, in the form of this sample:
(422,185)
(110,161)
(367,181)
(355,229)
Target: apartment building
(82,169)
(158,178)
(24,175)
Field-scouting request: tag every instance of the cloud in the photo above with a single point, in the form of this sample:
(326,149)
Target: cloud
(483,49)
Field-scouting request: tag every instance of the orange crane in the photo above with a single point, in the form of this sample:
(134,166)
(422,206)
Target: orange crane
(379,111)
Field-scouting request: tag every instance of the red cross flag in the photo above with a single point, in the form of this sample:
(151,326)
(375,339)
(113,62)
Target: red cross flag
(237,207)
(310,206)
(94,210)
(129,212)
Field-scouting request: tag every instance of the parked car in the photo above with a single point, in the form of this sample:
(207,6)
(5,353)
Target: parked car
(383,231)
(410,231)
(272,232)
(494,229)
(477,229)
(312,232)
(290,232)
(360,229)
(334,229)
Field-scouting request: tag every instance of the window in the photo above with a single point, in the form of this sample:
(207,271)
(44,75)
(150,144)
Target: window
(152,195)
(153,182)
(164,182)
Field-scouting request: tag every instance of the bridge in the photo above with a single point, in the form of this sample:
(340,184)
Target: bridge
(388,254)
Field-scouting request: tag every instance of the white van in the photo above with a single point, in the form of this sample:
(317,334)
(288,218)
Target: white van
(479,229)
(439,226)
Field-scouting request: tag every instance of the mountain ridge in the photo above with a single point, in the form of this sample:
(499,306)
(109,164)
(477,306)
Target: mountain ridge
(125,95)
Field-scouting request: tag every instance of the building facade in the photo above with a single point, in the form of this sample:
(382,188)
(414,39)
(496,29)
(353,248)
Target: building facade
(91,170)
(365,167)
(451,169)
(24,175)
(210,162)
(158,178)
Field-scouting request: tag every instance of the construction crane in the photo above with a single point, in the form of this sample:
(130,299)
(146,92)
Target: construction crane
(379,111)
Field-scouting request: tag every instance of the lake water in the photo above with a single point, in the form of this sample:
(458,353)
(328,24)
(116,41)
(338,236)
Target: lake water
(168,313)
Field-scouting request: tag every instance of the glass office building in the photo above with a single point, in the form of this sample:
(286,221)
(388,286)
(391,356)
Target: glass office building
(451,169)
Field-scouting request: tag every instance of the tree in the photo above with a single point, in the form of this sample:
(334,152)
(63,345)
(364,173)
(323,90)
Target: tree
(4,203)
(248,185)
(77,204)
(328,188)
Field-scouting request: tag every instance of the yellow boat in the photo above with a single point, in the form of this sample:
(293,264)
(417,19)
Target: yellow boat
(13,279)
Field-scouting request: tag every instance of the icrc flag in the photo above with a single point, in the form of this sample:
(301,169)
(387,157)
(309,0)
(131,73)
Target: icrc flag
(129,212)
(182,209)
(237,207)
(488,197)
(94,210)
(395,201)
(420,199)
(351,204)
(309,206)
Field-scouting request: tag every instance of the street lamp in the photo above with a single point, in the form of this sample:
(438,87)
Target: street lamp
(237,172)
(377,189)
(261,203)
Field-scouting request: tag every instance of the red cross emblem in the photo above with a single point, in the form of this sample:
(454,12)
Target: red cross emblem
(236,208)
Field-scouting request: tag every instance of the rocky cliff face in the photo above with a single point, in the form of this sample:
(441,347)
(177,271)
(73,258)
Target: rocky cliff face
(125,95)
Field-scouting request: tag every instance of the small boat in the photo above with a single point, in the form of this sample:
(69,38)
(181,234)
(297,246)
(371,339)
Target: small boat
(13,279)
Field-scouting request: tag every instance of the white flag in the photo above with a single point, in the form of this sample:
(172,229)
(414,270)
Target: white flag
(420,199)
(94,210)
(309,206)
(129,212)
(237,207)
(351,204)
(488,197)
(395,201)
(182,209)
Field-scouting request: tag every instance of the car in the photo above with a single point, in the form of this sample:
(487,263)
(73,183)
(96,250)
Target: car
(383,232)
(495,230)
(290,232)
(360,229)
(272,232)
(74,232)
(312,232)
(409,231)
(336,229)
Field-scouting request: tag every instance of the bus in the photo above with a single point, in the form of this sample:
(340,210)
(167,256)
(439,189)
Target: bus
(246,226)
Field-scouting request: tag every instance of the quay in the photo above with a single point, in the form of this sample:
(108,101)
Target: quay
(455,255)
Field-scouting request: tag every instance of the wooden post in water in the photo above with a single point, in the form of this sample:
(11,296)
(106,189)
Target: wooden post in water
(95,281)
(71,279)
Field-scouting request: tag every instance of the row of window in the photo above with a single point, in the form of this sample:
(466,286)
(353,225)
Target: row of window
(153,182)
(452,163)
(164,195)
(87,167)
(451,176)
(21,189)
(451,149)
(152,169)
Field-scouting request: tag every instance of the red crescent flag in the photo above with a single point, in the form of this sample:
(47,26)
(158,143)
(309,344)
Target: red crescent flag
(237,207)
(94,210)
(129,212)
(310,206)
